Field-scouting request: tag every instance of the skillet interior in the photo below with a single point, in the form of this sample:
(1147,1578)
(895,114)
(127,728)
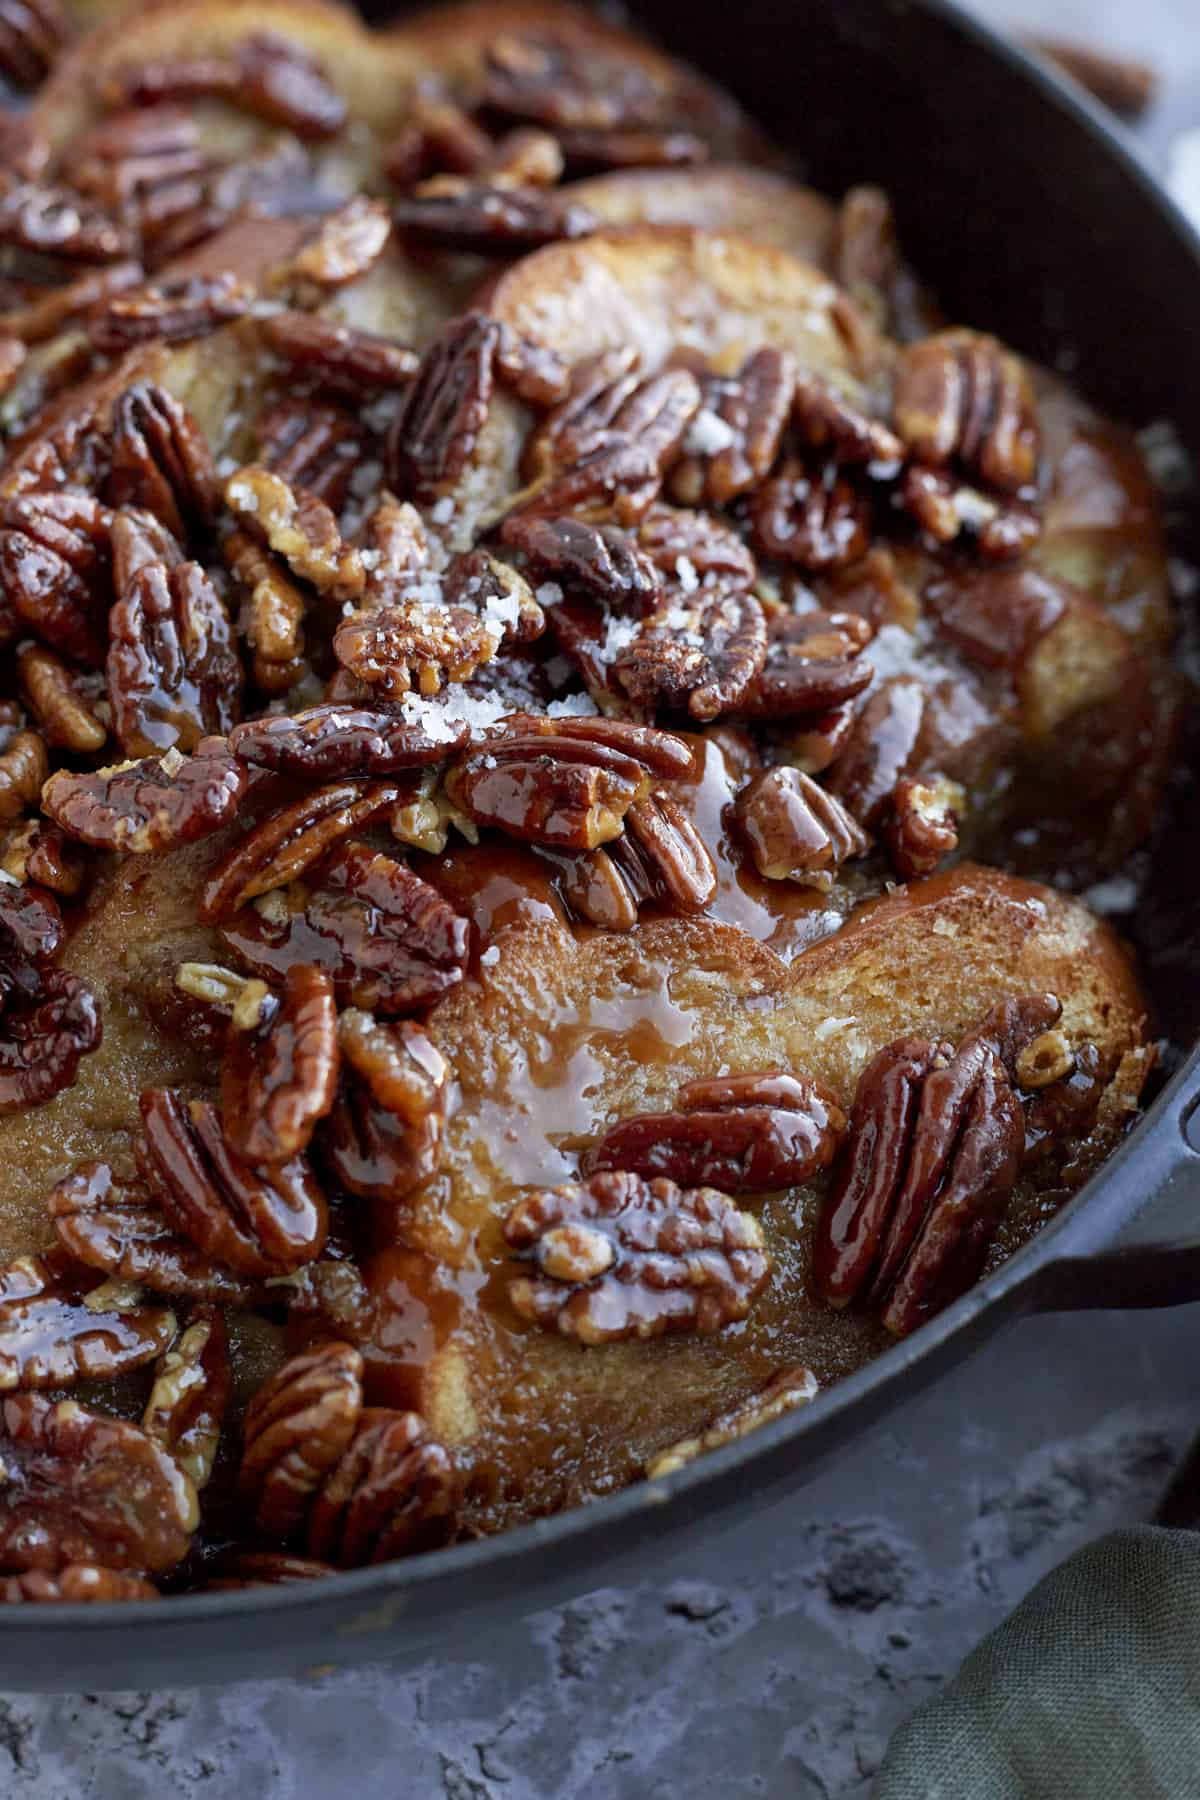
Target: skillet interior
(1033,241)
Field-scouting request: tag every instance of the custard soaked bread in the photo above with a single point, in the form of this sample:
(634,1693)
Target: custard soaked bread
(554,710)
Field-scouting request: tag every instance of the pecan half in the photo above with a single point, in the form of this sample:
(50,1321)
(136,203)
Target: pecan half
(54,569)
(661,855)
(556,83)
(605,450)
(415,644)
(568,789)
(619,1257)
(934,1151)
(810,517)
(55,222)
(31,931)
(297,527)
(883,745)
(737,434)
(393,1492)
(267,75)
(594,887)
(945,509)
(692,546)
(161,461)
(338,741)
(286,843)
(745,1133)
(32,32)
(388,939)
(813,664)
(43,1034)
(866,259)
(54,1332)
(827,420)
(119,1227)
(146,806)
(83,1488)
(455,213)
(75,1585)
(53,310)
(191,1389)
(922,825)
(174,674)
(261,1568)
(782,1394)
(53,695)
(39,852)
(591,152)
(257,1225)
(346,243)
(384,1135)
(171,312)
(594,559)
(961,396)
(24,768)
(435,432)
(355,363)
(296,1429)
(796,830)
(280,1070)
(700,652)
(312,446)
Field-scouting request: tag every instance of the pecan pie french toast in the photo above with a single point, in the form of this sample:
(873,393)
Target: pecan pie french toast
(557,713)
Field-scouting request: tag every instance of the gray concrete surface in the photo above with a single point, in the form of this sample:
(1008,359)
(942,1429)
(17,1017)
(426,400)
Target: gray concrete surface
(779,1662)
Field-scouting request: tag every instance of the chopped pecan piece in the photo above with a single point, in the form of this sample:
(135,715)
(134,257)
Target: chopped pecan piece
(736,436)
(605,449)
(782,1394)
(80,1487)
(883,745)
(339,741)
(747,1133)
(567,789)
(32,32)
(345,244)
(171,311)
(438,136)
(962,397)
(594,559)
(556,83)
(54,1332)
(796,830)
(934,1151)
(43,1033)
(827,420)
(119,1227)
(77,1584)
(619,1257)
(455,213)
(943,508)
(257,1225)
(296,1429)
(662,855)
(39,852)
(280,1070)
(388,939)
(274,613)
(53,695)
(54,222)
(700,652)
(141,807)
(1049,1058)
(922,825)
(393,1492)
(866,254)
(268,76)
(191,1388)
(810,517)
(384,1136)
(24,769)
(161,461)
(299,528)
(174,674)
(12,355)
(286,843)
(356,363)
(813,664)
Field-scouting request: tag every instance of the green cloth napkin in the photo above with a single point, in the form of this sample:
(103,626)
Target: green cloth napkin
(1089,1691)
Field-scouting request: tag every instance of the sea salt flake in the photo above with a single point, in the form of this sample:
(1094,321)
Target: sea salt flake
(708,434)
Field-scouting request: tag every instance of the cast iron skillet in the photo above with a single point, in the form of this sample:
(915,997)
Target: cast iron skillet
(1029,215)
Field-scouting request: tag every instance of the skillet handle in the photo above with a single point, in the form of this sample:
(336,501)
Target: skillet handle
(1156,1259)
